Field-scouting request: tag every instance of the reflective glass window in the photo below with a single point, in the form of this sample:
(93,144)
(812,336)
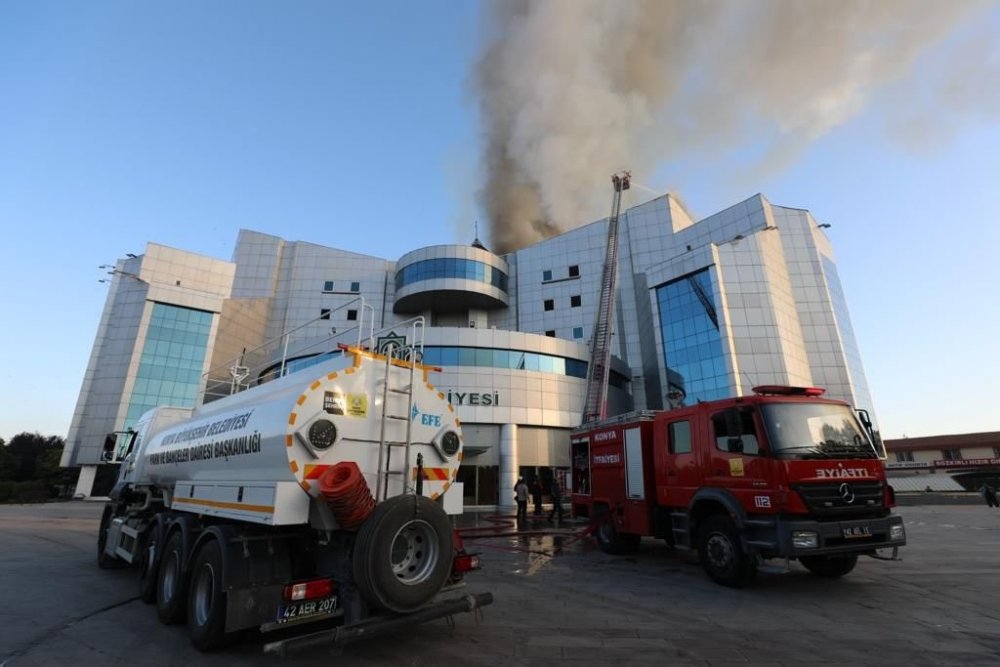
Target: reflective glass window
(692,345)
(450,267)
(171,360)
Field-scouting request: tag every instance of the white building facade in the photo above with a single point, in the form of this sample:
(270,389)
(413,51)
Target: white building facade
(704,309)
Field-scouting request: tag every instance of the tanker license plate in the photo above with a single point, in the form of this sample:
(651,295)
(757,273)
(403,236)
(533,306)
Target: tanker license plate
(858,531)
(307,609)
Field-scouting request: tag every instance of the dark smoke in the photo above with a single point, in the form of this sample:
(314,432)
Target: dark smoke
(574,90)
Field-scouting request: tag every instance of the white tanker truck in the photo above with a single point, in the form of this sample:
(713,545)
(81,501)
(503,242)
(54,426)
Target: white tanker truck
(320,495)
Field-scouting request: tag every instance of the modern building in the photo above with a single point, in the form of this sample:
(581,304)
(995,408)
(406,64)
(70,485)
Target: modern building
(705,309)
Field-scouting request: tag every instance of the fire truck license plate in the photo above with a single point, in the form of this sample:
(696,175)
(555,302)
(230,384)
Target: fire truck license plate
(312,609)
(854,532)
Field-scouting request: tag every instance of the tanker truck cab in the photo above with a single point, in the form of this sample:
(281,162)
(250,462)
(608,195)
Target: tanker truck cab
(320,495)
(780,474)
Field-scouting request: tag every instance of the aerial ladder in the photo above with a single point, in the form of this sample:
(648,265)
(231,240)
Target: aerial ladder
(595,405)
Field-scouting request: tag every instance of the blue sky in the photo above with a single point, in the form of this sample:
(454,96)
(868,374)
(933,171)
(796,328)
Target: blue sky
(353,125)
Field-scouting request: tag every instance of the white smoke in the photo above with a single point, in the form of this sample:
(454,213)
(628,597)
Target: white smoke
(574,90)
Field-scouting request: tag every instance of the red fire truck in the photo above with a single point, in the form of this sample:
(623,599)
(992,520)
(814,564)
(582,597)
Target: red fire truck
(783,473)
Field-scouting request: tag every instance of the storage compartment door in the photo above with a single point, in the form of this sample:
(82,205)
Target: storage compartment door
(633,465)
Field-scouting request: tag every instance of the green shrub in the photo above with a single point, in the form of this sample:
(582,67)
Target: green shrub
(30,492)
(6,491)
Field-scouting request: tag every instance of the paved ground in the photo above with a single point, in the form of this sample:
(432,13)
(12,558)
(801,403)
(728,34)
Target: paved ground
(558,601)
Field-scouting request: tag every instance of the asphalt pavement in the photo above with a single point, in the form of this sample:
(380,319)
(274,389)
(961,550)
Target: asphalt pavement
(558,600)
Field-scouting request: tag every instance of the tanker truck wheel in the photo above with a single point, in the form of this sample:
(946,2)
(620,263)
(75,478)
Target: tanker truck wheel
(609,540)
(104,561)
(172,582)
(403,553)
(829,566)
(721,553)
(148,565)
(206,611)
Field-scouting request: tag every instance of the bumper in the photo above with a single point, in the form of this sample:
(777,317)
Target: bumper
(840,537)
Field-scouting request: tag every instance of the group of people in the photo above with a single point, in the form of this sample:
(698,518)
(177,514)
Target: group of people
(522,491)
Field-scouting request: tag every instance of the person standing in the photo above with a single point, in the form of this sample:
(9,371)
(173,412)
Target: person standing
(990,495)
(556,493)
(521,496)
(536,495)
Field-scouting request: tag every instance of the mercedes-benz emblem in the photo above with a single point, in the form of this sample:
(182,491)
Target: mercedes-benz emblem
(846,493)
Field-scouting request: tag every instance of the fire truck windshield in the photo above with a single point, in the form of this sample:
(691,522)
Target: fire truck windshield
(815,430)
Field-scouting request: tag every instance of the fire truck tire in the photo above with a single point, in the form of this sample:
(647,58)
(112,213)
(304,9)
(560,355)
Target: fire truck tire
(148,566)
(610,540)
(403,553)
(206,608)
(104,561)
(830,566)
(172,582)
(721,553)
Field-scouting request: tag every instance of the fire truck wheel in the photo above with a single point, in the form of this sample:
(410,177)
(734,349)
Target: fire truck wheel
(403,553)
(611,541)
(206,610)
(830,566)
(721,553)
(147,565)
(171,582)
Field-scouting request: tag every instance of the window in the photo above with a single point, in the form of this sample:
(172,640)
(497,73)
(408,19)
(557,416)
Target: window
(735,432)
(574,271)
(324,314)
(550,333)
(355,287)
(904,456)
(951,454)
(577,332)
(352,315)
(328,286)
(546,276)
(679,436)
(996,452)
(550,304)
(575,301)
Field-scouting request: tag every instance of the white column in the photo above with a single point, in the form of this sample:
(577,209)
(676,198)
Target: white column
(508,464)
(85,482)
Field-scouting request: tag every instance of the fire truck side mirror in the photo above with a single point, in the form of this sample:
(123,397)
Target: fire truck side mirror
(108,452)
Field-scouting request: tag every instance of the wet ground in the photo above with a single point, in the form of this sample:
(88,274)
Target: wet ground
(558,601)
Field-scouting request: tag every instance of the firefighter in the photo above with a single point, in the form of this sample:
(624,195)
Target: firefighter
(556,494)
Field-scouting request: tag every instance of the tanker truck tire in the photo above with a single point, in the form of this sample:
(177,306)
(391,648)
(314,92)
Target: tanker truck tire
(148,565)
(829,566)
(206,612)
(104,561)
(721,552)
(172,582)
(403,553)
(609,540)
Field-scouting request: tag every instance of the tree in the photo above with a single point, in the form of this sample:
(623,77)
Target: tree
(27,451)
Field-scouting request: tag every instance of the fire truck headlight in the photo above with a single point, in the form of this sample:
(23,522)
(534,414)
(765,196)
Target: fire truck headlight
(805,539)
(897,533)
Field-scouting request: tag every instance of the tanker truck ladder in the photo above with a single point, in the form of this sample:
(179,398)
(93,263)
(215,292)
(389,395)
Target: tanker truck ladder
(401,362)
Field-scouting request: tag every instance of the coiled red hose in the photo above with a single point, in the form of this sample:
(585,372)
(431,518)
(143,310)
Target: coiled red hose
(347,494)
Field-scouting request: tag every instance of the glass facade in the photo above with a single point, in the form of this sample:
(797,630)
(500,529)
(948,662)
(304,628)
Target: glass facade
(172,361)
(450,267)
(856,371)
(485,357)
(692,345)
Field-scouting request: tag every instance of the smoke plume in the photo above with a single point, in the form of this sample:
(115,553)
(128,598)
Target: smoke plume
(573,90)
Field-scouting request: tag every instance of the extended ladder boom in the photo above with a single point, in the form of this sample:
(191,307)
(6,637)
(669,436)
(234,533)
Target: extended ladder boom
(596,403)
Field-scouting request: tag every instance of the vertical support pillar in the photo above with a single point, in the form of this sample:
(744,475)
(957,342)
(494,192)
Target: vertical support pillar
(508,465)
(85,482)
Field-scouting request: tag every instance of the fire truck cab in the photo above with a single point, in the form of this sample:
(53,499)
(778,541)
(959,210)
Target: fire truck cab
(783,473)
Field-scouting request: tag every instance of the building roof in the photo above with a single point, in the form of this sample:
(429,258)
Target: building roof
(939,482)
(988,439)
